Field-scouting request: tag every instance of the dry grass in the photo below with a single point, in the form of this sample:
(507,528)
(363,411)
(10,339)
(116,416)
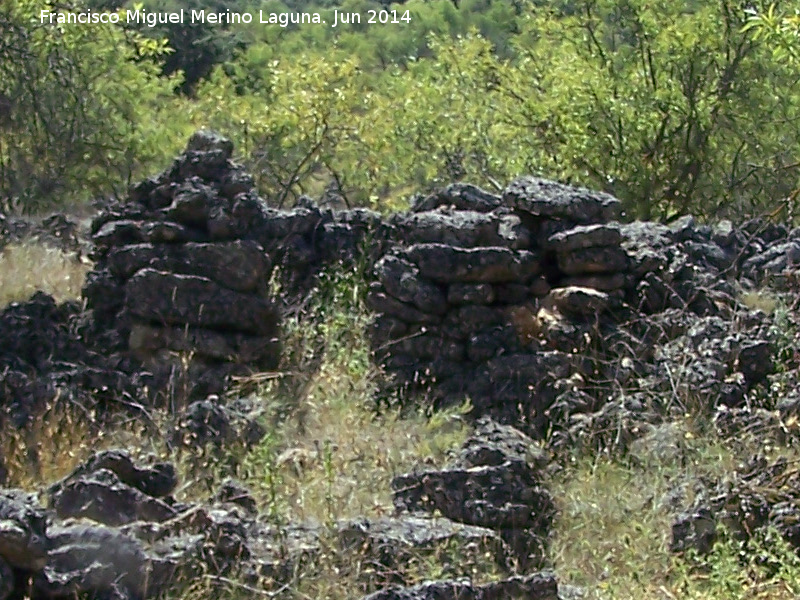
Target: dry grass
(614,529)
(329,455)
(28,267)
(763,300)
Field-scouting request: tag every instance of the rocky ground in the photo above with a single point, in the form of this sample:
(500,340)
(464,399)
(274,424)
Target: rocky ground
(550,332)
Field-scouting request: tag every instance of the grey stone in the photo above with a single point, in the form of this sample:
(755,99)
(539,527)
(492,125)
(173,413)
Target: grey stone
(585,236)
(381,302)
(239,265)
(448,264)
(402,280)
(463,228)
(23,530)
(175,299)
(587,261)
(234,347)
(578,301)
(553,200)
(101,496)
(157,480)
(462,196)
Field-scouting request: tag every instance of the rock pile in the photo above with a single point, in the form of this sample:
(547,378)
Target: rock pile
(59,231)
(546,313)
(113,529)
(494,483)
(458,299)
(45,357)
(176,268)
(763,494)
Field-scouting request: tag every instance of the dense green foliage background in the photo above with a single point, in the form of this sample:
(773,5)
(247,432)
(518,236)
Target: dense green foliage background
(671,106)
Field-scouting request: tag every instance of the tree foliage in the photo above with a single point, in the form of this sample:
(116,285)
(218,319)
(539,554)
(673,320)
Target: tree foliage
(673,107)
(77,104)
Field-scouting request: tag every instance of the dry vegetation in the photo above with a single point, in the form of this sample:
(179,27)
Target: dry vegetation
(330,455)
(30,266)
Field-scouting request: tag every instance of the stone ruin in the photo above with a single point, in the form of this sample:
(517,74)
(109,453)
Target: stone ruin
(177,267)
(465,301)
(184,264)
(113,529)
(537,305)
(523,302)
(527,303)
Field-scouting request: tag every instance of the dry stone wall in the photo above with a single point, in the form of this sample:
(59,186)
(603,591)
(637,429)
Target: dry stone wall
(176,268)
(523,302)
(464,297)
(184,263)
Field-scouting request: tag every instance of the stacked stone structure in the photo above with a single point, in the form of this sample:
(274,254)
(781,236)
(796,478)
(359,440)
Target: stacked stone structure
(178,268)
(460,298)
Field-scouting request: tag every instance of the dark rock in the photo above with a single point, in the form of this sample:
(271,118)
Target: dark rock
(465,321)
(587,261)
(511,293)
(540,287)
(191,203)
(430,345)
(188,299)
(553,200)
(463,228)
(158,480)
(462,196)
(207,421)
(742,423)
(493,444)
(393,540)
(117,233)
(647,245)
(755,361)
(585,236)
(208,141)
(233,347)
(127,232)
(380,302)
(504,497)
(402,280)
(101,496)
(603,283)
(578,301)
(696,529)
(470,293)
(7,580)
(384,329)
(493,342)
(104,293)
(23,531)
(236,493)
(448,264)
(97,561)
(239,265)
